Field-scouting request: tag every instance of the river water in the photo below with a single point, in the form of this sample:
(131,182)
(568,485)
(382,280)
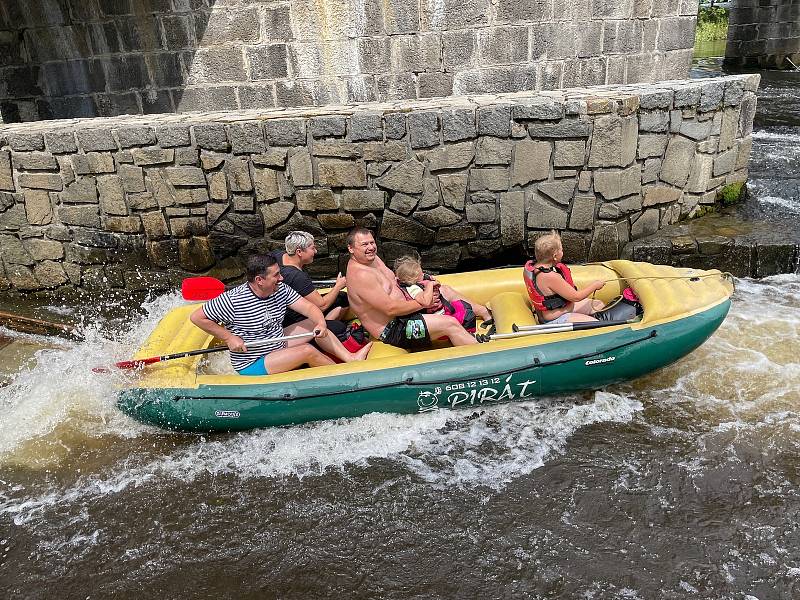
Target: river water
(682,484)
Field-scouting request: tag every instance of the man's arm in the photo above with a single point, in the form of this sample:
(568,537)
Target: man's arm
(371,292)
(234,342)
(308,309)
(325,302)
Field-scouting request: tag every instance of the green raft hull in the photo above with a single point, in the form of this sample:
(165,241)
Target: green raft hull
(509,375)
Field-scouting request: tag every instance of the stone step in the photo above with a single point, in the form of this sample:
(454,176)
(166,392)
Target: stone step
(727,241)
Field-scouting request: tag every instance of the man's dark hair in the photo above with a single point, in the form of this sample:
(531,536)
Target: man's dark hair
(258,264)
(351,236)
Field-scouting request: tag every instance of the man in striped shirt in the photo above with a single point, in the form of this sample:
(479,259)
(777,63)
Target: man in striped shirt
(254,312)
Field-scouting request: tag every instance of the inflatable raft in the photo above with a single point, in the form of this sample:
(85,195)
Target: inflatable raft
(518,362)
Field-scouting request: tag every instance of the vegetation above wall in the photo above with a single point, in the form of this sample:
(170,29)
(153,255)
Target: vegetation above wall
(712,23)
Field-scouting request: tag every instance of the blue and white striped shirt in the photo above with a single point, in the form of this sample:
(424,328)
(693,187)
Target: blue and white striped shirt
(252,318)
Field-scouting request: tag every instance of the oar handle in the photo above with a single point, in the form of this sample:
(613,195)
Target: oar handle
(141,362)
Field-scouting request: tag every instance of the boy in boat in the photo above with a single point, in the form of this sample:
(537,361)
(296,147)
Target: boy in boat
(436,299)
(549,282)
(383,309)
(254,311)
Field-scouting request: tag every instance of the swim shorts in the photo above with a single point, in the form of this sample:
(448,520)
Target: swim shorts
(408,332)
(257,368)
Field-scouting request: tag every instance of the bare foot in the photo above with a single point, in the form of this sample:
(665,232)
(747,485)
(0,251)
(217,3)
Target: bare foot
(362,353)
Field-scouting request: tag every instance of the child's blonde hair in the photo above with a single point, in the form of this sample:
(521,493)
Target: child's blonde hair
(546,245)
(407,269)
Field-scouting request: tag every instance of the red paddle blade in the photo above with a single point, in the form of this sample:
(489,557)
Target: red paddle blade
(133,364)
(201,288)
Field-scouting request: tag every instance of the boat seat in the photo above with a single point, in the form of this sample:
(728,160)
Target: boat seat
(510,308)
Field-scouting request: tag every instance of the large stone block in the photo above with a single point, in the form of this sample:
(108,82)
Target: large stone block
(96,140)
(238,176)
(34,161)
(403,203)
(700,173)
(493,151)
(286,132)
(266,185)
(83,216)
(341,173)
(185,176)
(678,160)
(494,120)
(613,141)
(582,213)
(652,145)
(451,156)
(570,153)
(317,199)
(423,129)
(398,227)
(41,181)
(328,126)
(246,138)
(560,191)
(491,179)
(300,168)
(544,215)
(615,183)
(531,162)
(453,189)
(363,200)
(405,177)
(458,125)
(660,194)
(512,218)
(111,195)
(38,208)
(145,157)
(366,126)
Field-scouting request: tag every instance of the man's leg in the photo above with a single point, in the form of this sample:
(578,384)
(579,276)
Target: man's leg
(442,325)
(287,359)
(329,343)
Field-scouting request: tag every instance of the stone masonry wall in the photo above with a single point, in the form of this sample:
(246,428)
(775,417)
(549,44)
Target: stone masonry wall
(84,58)
(141,202)
(764,33)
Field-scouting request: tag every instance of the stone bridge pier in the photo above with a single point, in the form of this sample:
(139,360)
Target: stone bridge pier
(764,34)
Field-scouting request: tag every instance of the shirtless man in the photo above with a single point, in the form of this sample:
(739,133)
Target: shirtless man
(382,307)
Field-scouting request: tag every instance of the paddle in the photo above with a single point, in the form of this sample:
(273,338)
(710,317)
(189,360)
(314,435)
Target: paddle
(526,330)
(140,362)
(200,289)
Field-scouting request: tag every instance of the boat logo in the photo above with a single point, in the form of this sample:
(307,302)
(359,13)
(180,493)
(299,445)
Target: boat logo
(227,414)
(428,400)
(600,361)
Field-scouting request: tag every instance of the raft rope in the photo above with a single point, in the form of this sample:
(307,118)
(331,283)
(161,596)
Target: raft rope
(721,275)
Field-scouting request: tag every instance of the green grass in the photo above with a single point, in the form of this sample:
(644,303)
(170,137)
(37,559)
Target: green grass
(712,24)
(731,193)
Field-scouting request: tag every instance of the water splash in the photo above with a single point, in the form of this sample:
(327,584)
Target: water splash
(56,401)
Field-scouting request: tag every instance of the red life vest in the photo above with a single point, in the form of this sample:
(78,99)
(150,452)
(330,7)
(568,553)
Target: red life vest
(538,299)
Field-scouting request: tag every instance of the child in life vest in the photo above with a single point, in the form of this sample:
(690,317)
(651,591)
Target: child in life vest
(551,289)
(437,298)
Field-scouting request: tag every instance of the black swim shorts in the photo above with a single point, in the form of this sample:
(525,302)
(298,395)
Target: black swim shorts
(409,332)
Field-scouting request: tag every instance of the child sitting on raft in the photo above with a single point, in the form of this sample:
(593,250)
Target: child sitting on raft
(438,298)
(551,289)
